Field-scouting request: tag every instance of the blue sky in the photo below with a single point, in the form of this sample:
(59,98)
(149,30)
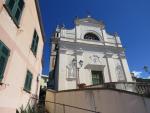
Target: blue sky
(130,18)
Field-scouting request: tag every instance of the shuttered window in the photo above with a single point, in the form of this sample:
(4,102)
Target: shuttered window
(15,8)
(97,77)
(4,54)
(35,41)
(28,81)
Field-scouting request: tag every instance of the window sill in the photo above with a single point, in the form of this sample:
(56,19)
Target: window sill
(27,91)
(17,24)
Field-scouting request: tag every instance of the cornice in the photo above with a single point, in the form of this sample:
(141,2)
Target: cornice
(90,21)
(89,47)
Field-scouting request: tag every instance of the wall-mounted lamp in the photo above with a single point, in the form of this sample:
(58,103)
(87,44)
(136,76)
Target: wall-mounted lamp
(81,63)
(74,62)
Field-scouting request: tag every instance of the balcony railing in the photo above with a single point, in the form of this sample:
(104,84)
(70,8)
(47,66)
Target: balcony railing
(136,87)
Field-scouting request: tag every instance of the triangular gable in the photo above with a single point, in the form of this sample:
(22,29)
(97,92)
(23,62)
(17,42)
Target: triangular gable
(88,21)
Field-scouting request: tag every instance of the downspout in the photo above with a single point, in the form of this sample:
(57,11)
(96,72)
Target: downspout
(75,53)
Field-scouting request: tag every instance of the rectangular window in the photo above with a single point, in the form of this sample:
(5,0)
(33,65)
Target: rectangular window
(15,8)
(35,41)
(97,77)
(28,81)
(4,54)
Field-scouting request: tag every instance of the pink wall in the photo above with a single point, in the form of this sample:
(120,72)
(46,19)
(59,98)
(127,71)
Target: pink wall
(21,58)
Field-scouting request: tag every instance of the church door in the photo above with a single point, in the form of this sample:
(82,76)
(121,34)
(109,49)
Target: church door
(97,77)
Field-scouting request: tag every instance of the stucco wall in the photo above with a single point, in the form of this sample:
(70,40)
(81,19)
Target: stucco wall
(50,96)
(65,59)
(107,50)
(101,100)
(21,58)
(1,6)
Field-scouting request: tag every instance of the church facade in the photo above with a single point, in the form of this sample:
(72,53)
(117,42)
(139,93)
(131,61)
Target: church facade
(87,55)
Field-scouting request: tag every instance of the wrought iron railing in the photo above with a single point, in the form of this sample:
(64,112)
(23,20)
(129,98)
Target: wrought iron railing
(136,87)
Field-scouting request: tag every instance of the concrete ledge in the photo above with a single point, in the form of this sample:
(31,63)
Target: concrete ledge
(118,90)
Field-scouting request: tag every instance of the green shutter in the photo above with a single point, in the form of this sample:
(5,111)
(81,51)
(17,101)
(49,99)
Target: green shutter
(28,81)
(10,4)
(15,8)
(4,54)
(97,77)
(19,8)
(21,4)
(34,45)
(2,66)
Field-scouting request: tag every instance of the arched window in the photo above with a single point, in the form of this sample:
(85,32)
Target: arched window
(91,36)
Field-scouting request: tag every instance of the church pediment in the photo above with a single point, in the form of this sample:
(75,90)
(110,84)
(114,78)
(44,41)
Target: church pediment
(89,21)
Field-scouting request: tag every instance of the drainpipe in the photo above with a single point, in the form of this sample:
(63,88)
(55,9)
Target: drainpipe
(75,53)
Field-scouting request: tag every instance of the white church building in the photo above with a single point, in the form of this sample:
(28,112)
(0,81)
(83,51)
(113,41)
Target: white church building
(87,55)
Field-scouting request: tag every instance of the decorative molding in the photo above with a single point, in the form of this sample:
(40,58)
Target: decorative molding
(97,47)
(89,21)
(108,55)
(119,72)
(95,59)
(79,52)
(63,51)
(78,39)
(71,71)
(122,56)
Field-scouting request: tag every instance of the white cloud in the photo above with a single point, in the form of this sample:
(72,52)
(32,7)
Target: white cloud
(137,74)
(148,77)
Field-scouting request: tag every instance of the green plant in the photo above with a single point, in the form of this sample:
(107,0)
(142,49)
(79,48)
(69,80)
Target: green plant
(29,109)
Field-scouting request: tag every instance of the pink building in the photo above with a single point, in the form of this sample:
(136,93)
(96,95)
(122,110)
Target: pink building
(21,49)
